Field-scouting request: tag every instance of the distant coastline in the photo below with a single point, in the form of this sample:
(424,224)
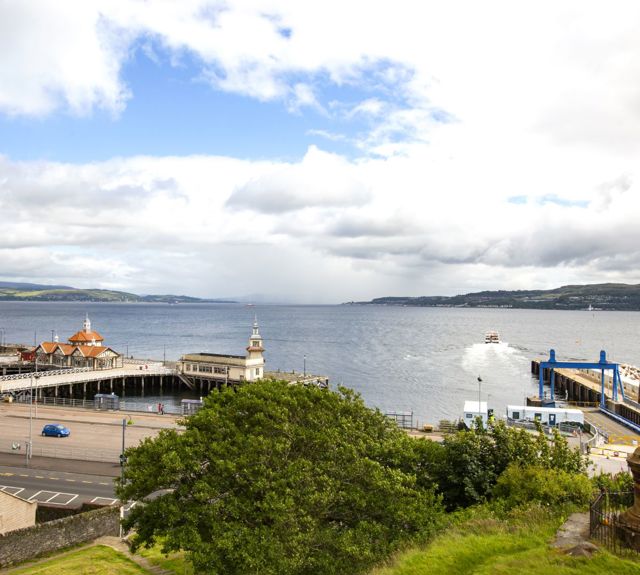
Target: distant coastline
(12,291)
(593,297)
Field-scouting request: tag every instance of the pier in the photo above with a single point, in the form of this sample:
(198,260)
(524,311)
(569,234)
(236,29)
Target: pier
(584,388)
(133,377)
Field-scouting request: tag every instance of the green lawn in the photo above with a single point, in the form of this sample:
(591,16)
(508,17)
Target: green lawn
(98,560)
(491,547)
(174,562)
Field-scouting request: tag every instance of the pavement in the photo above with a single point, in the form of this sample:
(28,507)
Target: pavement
(101,468)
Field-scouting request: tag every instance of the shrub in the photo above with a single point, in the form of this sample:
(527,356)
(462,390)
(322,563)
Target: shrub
(519,485)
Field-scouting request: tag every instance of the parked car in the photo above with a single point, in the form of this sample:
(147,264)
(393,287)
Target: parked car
(55,430)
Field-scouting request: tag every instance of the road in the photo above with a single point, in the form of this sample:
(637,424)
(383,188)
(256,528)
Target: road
(57,487)
(616,432)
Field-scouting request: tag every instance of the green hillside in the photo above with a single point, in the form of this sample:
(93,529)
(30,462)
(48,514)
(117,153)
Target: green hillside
(35,292)
(571,297)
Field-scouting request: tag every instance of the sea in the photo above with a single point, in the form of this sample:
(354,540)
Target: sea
(400,359)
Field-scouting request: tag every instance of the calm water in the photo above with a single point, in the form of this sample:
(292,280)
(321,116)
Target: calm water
(424,360)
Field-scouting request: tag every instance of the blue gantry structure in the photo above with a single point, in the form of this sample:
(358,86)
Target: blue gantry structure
(603,365)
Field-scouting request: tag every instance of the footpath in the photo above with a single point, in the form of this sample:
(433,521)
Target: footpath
(105,469)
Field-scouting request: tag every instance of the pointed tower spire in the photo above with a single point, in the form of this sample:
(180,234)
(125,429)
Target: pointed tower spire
(255,341)
(87,324)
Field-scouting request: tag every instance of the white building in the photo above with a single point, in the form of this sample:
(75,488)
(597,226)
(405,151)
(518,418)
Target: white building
(471,413)
(226,368)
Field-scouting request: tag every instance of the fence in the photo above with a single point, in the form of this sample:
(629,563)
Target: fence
(91,404)
(19,447)
(403,419)
(605,525)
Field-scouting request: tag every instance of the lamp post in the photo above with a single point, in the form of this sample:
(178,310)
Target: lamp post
(304,366)
(479,395)
(122,457)
(29,443)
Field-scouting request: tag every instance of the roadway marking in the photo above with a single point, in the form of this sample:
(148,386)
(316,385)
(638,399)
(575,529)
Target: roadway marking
(12,490)
(110,500)
(49,496)
(104,483)
(6,474)
(70,480)
(39,476)
(83,481)
(23,475)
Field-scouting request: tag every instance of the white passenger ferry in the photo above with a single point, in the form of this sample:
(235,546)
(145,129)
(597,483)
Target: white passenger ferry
(491,337)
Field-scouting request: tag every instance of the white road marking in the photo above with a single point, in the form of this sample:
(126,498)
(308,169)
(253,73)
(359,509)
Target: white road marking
(11,489)
(105,500)
(49,496)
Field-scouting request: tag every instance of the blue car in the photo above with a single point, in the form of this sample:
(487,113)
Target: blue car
(55,430)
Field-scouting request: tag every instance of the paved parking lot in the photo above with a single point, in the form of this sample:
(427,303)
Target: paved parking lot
(94,435)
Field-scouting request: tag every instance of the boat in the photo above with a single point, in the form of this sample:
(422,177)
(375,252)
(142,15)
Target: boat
(491,337)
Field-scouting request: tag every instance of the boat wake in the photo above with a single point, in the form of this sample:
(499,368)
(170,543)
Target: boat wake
(482,357)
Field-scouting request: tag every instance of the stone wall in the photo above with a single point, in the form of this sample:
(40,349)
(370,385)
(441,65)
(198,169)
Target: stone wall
(24,544)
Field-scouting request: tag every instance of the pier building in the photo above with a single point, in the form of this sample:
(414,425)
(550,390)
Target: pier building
(225,369)
(84,349)
(73,373)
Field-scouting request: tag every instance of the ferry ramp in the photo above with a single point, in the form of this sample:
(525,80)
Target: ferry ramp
(615,432)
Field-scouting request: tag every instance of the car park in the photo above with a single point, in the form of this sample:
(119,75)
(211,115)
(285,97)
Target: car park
(55,430)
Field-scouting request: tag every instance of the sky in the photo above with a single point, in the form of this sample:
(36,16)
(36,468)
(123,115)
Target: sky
(319,152)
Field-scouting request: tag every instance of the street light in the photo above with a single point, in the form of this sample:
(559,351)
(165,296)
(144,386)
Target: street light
(304,367)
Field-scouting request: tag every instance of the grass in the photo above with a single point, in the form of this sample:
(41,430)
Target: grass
(173,562)
(98,560)
(518,544)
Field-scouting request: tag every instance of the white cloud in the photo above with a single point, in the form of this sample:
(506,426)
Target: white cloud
(466,105)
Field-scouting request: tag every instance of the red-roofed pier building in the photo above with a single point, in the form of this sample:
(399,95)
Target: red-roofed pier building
(84,349)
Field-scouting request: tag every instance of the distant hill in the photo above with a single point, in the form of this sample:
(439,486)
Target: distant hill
(11,291)
(573,297)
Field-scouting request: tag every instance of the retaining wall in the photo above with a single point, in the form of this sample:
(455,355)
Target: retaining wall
(23,544)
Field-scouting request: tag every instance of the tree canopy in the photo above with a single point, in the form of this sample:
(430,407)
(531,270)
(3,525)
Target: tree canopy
(274,478)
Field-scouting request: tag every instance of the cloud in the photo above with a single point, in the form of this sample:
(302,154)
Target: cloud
(320,180)
(495,150)
(59,54)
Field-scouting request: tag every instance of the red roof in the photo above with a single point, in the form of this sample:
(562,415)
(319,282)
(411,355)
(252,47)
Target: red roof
(86,336)
(68,349)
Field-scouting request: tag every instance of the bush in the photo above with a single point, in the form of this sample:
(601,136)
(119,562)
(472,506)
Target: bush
(520,485)
(622,481)
(467,470)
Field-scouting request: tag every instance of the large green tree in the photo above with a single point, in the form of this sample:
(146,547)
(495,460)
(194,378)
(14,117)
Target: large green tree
(274,478)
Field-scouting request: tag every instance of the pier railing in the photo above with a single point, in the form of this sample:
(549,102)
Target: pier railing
(29,374)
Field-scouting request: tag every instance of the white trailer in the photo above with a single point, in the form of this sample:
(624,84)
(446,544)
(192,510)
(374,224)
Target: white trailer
(471,412)
(545,415)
